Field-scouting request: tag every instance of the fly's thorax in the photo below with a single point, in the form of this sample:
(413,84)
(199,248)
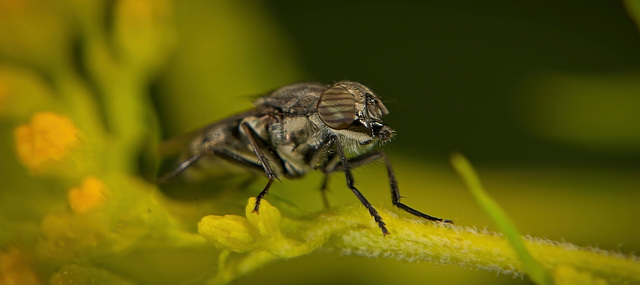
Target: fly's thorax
(293,137)
(259,124)
(294,130)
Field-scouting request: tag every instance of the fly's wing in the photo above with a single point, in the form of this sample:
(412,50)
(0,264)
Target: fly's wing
(187,151)
(177,145)
(181,144)
(207,174)
(172,153)
(206,178)
(295,99)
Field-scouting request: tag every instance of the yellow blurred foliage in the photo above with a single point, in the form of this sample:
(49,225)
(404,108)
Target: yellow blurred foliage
(16,268)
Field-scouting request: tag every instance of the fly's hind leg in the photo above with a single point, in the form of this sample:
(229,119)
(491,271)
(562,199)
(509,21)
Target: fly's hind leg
(395,194)
(256,144)
(219,152)
(180,168)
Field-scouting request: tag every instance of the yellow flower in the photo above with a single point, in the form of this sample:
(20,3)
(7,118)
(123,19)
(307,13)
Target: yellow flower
(240,234)
(229,232)
(258,232)
(88,196)
(48,138)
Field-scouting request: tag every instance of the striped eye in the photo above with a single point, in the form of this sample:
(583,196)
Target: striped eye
(337,107)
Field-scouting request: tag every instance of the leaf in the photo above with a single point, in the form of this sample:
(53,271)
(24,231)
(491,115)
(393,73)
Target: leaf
(633,8)
(536,272)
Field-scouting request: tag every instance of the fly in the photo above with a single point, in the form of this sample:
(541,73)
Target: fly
(303,127)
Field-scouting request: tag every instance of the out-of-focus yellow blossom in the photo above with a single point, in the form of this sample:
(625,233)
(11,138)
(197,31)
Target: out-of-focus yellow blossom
(16,269)
(89,195)
(143,31)
(22,92)
(48,138)
(77,274)
(35,32)
(135,216)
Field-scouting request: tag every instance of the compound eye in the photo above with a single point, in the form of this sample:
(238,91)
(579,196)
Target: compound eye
(337,107)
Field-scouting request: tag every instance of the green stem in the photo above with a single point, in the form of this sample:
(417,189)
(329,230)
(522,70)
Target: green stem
(350,230)
(467,247)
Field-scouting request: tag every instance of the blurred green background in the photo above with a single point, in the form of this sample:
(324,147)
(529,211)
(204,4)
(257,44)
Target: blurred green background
(543,97)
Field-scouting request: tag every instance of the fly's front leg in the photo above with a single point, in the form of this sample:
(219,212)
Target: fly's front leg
(257,146)
(351,184)
(336,164)
(395,194)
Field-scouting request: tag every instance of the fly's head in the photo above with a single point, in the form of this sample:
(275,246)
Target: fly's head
(353,111)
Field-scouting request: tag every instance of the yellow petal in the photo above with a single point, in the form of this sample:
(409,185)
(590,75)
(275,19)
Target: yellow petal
(267,220)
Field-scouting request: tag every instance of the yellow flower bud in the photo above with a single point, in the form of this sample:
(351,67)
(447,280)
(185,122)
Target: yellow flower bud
(88,196)
(229,232)
(48,138)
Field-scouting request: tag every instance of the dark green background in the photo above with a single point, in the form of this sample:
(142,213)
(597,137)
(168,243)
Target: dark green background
(451,71)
